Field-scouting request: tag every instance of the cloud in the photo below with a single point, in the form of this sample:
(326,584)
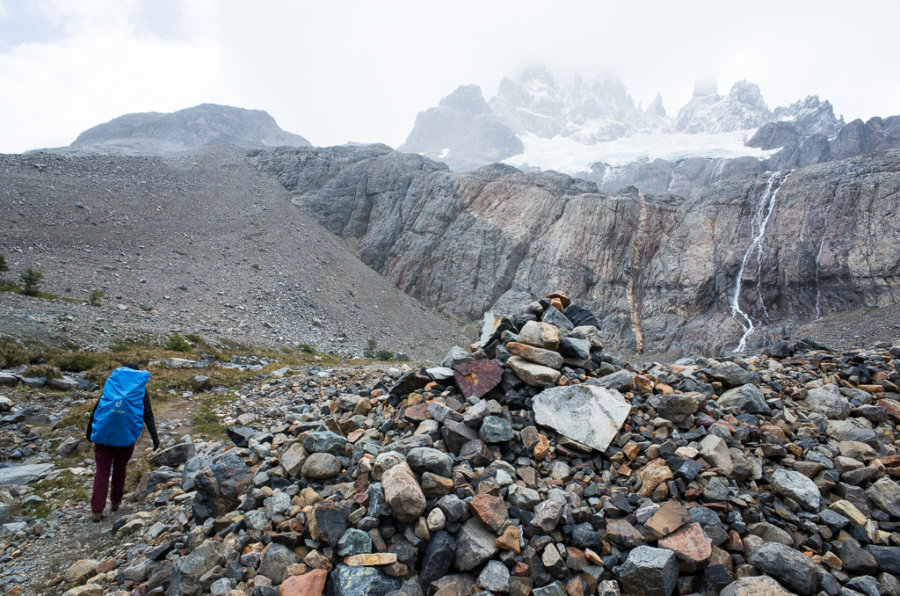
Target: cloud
(98,69)
(361,70)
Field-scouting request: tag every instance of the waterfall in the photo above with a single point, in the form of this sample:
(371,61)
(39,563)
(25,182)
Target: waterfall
(758,229)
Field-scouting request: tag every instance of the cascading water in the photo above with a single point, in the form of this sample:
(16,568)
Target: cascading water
(758,229)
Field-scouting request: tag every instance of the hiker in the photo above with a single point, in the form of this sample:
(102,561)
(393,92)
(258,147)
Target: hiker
(114,428)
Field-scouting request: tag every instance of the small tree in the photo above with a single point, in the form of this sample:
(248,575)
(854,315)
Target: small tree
(3,269)
(176,343)
(31,281)
(95,298)
(371,346)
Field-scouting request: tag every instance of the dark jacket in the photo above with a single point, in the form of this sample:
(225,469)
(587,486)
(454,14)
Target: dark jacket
(148,420)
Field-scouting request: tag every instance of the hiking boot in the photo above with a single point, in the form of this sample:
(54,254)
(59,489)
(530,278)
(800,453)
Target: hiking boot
(115,506)
(96,516)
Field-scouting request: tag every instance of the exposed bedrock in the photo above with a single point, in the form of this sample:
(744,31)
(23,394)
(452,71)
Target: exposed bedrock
(499,237)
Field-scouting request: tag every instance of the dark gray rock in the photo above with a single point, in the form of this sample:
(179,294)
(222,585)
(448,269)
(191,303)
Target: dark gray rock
(649,571)
(495,429)
(360,581)
(581,316)
(494,577)
(474,545)
(746,398)
(732,375)
(888,557)
(438,557)
(219,486)
(788,566)
(354,542)
(886,495)
(428,459)
(241,435)
(325,441)
(188,571)
(174,456)
(275,559)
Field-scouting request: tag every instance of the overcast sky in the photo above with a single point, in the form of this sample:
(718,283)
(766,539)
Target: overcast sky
(336,71)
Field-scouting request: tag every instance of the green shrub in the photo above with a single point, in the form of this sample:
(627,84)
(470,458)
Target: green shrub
(177,343)
(307,349)
(77,363)
(31,281)
(3,266)
(371,346)
(95,297)
(384,355)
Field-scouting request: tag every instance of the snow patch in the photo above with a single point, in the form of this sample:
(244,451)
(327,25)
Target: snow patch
(567,155)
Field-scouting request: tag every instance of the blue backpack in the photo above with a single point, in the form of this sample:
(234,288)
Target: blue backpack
(120,413)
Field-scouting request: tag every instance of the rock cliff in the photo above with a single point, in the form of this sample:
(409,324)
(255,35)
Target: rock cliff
(811,242)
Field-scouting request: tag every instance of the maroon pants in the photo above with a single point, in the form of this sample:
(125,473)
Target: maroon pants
(115,458)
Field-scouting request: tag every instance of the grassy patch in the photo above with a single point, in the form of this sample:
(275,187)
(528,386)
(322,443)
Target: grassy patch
(137,467)
(66,487)
(206,421)
(78,415)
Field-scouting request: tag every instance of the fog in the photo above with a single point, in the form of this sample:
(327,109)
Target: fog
(360,71)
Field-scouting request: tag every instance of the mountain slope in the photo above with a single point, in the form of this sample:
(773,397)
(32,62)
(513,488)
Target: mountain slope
(199,242)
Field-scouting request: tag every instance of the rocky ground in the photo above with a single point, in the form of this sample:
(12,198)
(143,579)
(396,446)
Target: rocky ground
(534,462)
(196,242)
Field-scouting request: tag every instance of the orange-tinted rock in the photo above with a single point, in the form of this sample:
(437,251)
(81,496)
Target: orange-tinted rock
(490,510)
(371,559)
(309,584)
(652,475)
(510,539)
(560,295)
(691,546)
(623,534)
(541,448)
(557,304)
(671,516)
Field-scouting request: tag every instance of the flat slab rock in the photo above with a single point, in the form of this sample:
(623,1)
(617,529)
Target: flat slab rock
(24,474)
(585,413)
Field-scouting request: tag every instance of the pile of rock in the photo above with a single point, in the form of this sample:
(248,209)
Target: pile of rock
(531,462)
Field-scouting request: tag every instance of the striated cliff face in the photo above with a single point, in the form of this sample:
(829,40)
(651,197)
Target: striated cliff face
(810,242)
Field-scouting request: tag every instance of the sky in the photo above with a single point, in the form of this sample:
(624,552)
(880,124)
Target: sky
(360,71)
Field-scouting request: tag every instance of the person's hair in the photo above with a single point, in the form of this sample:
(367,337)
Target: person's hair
(132,365)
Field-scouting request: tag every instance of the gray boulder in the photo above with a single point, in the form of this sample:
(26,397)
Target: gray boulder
(649,571)
(188,571)
(219,486)
(827,400)
(584,413)
(360,581)
(24,474)
(746,398)
(788,566)
(798,487)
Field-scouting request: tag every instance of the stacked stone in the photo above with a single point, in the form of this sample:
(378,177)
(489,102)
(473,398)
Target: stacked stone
(533,463)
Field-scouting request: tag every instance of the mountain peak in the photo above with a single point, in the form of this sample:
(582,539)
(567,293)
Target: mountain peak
(190,128)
